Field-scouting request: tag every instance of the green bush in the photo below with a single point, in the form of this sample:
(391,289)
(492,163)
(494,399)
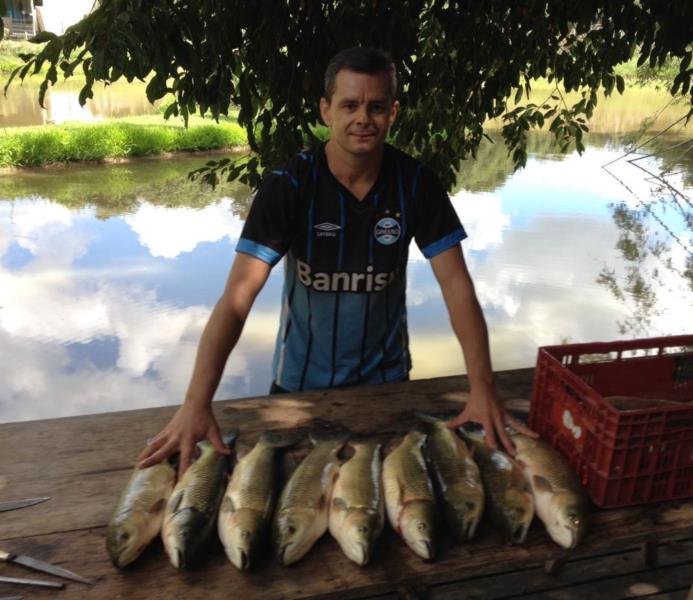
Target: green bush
(33,146)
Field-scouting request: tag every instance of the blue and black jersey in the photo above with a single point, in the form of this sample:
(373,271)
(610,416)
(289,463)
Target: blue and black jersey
(343,318)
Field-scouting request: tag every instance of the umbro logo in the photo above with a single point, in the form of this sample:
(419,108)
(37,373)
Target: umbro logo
(326,229)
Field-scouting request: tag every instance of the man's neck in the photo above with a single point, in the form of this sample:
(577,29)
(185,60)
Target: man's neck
(353,172)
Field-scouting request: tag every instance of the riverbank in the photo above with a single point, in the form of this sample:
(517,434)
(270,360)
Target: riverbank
(115,139)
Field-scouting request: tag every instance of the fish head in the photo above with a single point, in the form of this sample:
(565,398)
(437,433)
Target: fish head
(183,533)
(418,527)
(516,512)
(360,529)
(463,515)
(568,520)
(246,530)
(293,534)
(126,537)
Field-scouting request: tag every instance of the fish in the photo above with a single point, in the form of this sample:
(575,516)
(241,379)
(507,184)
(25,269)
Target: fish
(301,516)
(139,512)
(410,500)
(456,477)
(357,510)
(191,510)
(559,499)
(509,499)
(246,509)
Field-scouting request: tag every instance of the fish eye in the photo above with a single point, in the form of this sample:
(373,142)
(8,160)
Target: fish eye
(125,536)
(520,511)
(245,534)
(470,505)
(421,526)
(291,530)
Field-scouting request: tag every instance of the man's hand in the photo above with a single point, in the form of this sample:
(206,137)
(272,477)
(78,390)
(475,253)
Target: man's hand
(485,408)
(188,426)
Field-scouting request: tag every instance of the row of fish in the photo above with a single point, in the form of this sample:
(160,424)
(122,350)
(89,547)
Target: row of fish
(429,470)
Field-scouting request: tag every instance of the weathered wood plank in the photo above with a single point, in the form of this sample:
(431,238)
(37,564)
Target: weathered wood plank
(591,569)
(83,463)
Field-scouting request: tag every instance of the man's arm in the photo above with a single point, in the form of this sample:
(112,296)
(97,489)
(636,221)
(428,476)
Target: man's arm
(194,420)
(468,323)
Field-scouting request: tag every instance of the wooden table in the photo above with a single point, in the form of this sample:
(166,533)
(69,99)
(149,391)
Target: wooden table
(83,463)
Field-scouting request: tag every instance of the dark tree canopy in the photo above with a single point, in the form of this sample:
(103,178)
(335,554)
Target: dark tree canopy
(459,64)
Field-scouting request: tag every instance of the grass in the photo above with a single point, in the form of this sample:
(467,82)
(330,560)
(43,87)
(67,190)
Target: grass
(116,138)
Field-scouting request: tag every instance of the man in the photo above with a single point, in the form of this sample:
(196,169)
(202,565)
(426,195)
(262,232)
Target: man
(343,216)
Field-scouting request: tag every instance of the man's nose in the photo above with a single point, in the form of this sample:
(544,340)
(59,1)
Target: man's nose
(362,115)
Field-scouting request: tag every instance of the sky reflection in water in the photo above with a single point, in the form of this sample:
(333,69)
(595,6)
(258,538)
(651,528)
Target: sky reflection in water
(101,308)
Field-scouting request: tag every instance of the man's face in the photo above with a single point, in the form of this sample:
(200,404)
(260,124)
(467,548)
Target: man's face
(360,113)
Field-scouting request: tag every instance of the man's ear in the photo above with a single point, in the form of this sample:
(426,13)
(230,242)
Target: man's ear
(325,111)
(393,112)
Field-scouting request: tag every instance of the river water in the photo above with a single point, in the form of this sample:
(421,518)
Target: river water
(108,273)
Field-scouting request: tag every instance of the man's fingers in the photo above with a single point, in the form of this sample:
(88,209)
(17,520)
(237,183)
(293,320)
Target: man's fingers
(162,453)
(457,421)
(490,434)
(521,427)
(504,437)
(217,442)
(185,458)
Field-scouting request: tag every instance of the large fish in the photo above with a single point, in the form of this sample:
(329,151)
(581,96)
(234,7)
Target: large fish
(409,496)
(301,517)
(246,509)
(191,511)
(509,498)
(357,510)
(139,512)
(559,500)
(457,478)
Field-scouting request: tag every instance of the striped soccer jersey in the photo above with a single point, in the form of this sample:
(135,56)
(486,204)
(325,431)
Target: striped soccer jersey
(343,318)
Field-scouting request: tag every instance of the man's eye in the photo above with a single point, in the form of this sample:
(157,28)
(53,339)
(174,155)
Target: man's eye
(378,108)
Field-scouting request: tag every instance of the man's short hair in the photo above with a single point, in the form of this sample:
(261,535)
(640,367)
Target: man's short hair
(361,60)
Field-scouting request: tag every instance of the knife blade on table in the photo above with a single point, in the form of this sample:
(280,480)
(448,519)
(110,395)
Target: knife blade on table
(15,504)
(39,565)
(56,585)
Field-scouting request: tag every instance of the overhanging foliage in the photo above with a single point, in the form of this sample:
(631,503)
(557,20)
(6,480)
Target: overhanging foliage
(459,62)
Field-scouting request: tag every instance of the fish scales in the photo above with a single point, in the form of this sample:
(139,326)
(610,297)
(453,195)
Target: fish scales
(307,483)
(363,469)
(250,488)
(412,470)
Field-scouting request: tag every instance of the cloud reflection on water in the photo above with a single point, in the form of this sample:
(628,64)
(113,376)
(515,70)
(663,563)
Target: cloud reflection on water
(535,248)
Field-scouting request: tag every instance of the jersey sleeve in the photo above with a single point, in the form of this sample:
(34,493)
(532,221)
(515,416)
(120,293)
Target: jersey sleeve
(269,228)
(437,225)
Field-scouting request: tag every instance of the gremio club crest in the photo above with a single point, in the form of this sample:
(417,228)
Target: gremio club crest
(387,231)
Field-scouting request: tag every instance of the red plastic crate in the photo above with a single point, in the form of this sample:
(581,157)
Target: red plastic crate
(622,457)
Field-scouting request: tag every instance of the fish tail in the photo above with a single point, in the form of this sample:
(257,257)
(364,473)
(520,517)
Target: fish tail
(332,434)
(281,438)
(229,437)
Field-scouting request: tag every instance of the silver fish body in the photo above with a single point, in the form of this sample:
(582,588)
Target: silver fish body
(192,508)
(409,497)
(357,510)
(139,513)
(457,478)
(559,499)
(301,517)
(246,509)
(509,499)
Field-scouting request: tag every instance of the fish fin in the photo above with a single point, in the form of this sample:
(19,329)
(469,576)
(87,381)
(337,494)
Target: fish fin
(427,418)
(322,502)
(175,501)
(227,505)
(338,504)
(158,506)
(282,438)
(542,484)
